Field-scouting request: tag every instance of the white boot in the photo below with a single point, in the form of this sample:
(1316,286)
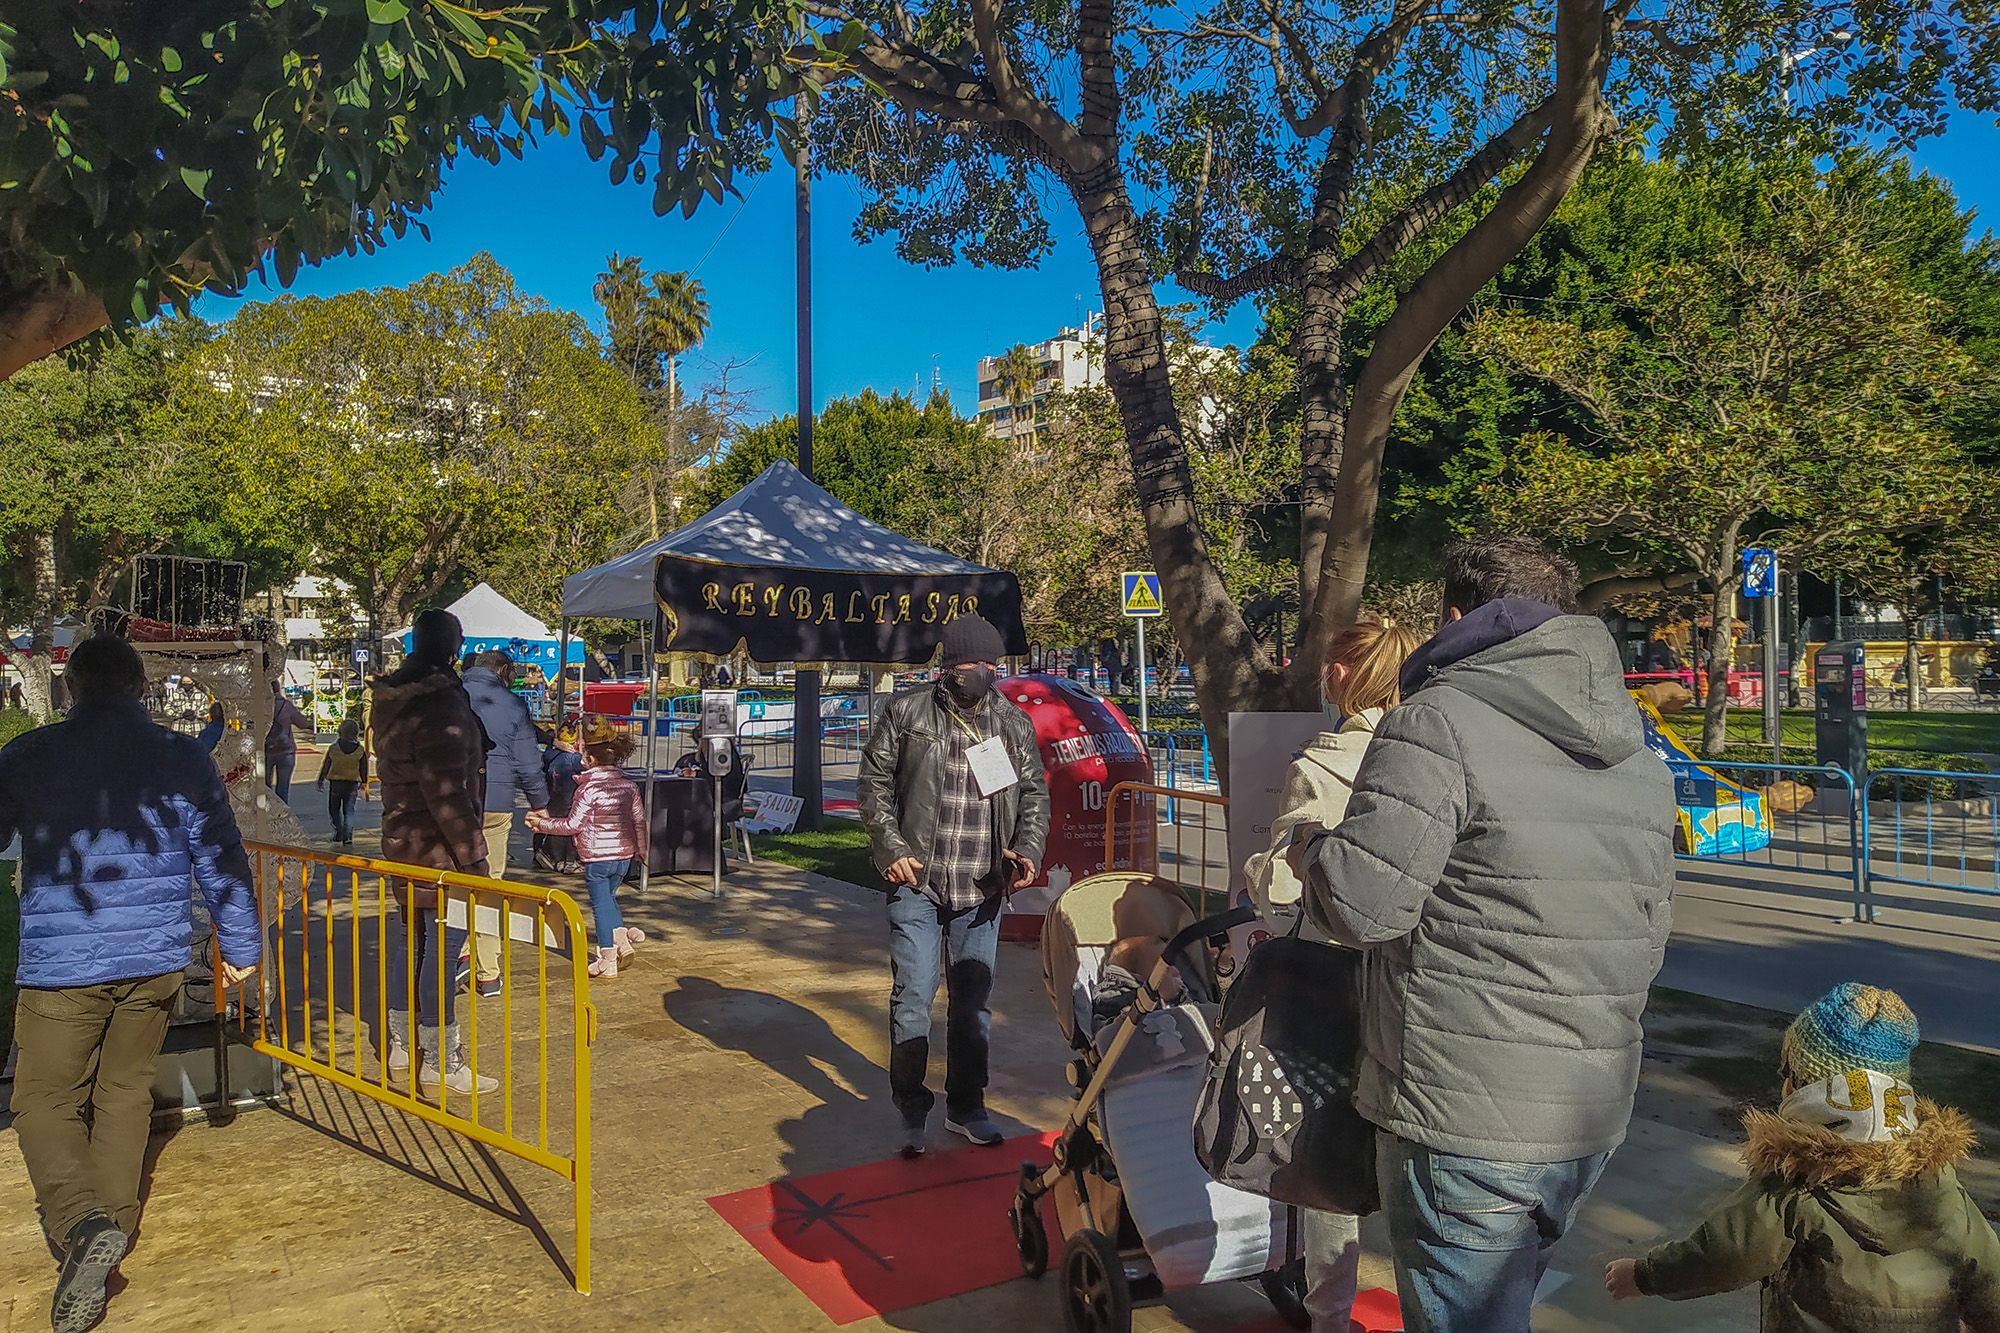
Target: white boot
(457,1074)
(398,1036)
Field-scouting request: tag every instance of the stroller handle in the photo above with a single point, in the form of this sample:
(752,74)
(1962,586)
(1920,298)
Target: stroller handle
(1214,928)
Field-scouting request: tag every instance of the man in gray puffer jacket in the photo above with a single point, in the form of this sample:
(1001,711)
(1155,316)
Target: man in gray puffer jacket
(1506,860)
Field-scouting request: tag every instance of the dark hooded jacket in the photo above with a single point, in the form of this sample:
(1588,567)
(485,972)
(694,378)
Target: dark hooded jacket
(430,753)
(1506,861)
(1846,1237)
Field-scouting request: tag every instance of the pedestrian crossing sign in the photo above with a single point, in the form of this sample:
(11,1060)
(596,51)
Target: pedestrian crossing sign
(1142,594)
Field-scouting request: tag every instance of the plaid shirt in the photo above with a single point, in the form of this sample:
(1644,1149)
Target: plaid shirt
(961,869)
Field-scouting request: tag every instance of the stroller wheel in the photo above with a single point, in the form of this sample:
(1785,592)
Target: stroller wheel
(1096,1297)
(1031,1240)
(1286,1288)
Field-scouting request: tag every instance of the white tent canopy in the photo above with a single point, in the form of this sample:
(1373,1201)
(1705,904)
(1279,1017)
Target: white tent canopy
(780,520)
(491,621)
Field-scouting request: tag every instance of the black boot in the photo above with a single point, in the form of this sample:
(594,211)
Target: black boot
(91,1253)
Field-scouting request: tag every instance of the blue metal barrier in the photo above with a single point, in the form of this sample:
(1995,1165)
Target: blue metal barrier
(1817,840)
(1933,829)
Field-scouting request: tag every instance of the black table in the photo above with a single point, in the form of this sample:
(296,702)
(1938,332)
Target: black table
(683,840)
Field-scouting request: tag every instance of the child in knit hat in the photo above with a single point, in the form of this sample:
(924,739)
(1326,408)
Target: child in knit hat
(1852,1216)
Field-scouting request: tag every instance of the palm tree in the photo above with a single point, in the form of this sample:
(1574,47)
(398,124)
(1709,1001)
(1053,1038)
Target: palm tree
(1019,371)
(651,320)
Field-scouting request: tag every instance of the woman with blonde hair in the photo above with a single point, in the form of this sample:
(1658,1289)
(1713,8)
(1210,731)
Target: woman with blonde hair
(1361,680)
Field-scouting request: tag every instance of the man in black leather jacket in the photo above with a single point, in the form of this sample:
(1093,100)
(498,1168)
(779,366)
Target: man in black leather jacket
(956,804)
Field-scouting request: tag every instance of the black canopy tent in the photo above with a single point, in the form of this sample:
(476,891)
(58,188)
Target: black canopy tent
(784,572)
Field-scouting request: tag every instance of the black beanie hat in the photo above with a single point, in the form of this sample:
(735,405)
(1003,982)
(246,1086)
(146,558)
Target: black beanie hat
(970,639)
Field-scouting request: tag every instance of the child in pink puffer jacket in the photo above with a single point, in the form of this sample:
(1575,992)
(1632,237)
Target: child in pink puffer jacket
(605,818)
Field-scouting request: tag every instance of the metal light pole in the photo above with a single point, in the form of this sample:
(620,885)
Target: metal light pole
(805,705)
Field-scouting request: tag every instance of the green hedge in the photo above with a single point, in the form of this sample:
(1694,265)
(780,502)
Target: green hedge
(14,721)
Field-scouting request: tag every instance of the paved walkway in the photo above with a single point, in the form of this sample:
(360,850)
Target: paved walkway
(747,1044)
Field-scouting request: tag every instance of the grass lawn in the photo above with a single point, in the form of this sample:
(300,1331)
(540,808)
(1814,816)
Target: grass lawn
(840,851)
(1948,733)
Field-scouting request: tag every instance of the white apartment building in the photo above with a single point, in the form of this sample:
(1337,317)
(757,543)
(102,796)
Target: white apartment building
(1073,359)
(1070,360)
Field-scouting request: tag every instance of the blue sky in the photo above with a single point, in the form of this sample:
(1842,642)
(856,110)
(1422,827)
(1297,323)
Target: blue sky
(553,217)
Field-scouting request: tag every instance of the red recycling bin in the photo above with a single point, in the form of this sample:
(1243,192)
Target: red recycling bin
(1088,747)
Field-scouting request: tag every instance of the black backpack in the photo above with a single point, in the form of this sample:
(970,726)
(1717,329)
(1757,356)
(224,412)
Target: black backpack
(1276,1115)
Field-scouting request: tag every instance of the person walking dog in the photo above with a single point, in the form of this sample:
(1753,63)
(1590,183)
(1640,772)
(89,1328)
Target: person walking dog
(121,823)
(956,805)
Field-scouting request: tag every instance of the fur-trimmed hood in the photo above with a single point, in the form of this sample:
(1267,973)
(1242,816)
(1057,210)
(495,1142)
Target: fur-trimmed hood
(1811,1156)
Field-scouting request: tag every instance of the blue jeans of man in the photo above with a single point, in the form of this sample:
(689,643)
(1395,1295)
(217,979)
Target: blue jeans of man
(1471,1238)
(928,940)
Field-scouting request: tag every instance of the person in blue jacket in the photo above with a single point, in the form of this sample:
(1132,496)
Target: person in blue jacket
(121,823)
(513,763)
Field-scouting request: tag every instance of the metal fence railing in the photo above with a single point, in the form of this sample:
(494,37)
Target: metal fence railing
(1788,827)
(338,997)
(1932,829)
(1178,835)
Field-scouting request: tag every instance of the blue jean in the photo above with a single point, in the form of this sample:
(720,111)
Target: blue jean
(278,766)
(926,940)
(435,1007)
(1471,1238)
(340,799)
(601,879)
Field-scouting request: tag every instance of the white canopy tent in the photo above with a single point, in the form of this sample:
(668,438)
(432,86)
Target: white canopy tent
(491,621)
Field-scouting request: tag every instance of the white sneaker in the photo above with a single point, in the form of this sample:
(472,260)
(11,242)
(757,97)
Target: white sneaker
(458,1080)
(399,1057)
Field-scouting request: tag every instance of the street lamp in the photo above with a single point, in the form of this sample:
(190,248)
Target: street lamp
(1789,60)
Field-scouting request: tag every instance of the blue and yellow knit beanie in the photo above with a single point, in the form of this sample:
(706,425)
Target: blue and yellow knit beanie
(1851,1027)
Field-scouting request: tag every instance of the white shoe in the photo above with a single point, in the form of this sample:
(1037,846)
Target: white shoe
(399,1057)
(458,1080)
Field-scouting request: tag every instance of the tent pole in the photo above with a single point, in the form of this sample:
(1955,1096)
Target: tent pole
(562,673)
(652,741)
(805,706)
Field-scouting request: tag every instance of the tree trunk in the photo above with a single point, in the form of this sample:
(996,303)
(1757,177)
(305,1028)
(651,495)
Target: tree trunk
(1231,673)
(1438,297)
(45,601)
(38,324)
(1912,660)
(1721,648)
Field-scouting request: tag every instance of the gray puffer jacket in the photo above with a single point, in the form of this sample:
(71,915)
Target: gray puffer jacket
(902,779)
(1507,860)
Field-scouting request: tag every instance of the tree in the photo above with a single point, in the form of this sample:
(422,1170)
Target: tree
(403,433)
(92,477)
(1312,148)
(151,152)
(1789,390)
(1019,375)
(650,322)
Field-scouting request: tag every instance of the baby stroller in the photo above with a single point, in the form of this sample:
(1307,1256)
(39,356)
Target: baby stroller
(1139,1215)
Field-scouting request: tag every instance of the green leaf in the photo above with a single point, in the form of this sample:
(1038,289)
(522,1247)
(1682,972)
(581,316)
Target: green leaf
(196,181)
(387,11)
(170,60)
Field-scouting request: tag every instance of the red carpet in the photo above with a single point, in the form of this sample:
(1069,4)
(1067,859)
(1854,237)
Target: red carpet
(858,1242)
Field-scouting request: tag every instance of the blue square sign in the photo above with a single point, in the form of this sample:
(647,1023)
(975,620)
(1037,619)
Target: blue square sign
(1760,572)
(1142,594)
(1695,792)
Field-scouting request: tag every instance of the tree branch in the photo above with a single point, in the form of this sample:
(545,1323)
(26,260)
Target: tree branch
(1014,97)
(34,324)
(1277,271)
(1095,20)
(1398,232)
(1600,593)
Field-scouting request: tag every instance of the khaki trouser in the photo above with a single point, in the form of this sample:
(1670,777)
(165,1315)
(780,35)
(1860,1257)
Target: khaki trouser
(83,1094)
(485,947)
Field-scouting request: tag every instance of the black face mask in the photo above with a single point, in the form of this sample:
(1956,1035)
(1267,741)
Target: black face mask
(967,685)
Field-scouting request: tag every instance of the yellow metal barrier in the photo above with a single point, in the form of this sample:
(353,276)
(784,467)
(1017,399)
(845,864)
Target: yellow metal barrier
(327,938)
(1193,821)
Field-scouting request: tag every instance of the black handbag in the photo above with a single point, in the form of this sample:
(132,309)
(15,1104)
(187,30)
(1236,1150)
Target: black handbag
(1276,1116)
